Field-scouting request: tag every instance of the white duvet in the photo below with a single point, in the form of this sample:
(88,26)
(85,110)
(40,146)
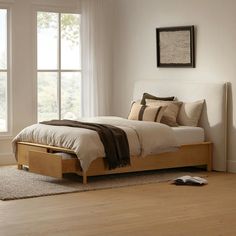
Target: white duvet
(144,138)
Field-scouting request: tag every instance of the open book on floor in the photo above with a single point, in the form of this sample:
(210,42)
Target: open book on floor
(189,180)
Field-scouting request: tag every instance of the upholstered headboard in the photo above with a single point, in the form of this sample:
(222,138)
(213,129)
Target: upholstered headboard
(214,115)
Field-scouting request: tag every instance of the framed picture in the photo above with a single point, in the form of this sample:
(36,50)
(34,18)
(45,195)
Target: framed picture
(175,46)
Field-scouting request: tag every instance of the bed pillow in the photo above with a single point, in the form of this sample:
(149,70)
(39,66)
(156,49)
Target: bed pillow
(190,113)
(150,96)
(146,113)
(171,112)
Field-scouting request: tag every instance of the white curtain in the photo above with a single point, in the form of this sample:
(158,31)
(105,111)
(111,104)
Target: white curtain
(96,37)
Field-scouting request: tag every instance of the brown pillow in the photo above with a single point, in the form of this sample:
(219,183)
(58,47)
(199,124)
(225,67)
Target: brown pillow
(171,112)
(150,96)
(146,113)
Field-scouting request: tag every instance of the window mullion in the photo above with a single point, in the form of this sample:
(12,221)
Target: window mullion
(67,84)
(7,71)
(59,65)
(53,70)
(5,116)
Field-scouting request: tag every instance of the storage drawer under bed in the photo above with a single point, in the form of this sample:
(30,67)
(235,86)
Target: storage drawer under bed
(51,164)
(46,161)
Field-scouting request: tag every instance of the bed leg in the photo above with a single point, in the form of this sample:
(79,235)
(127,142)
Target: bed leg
(84,178)
(209,167)
(20,167)
(209,164)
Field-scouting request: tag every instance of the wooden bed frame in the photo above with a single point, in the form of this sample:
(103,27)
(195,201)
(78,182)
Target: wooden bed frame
(41,159)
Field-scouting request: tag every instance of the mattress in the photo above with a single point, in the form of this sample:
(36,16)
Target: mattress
(189,135)
(145,138)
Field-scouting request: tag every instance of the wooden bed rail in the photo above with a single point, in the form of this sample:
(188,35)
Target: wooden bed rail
(41,159)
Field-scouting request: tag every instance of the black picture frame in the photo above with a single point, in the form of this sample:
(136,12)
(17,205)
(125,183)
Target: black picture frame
(175,46)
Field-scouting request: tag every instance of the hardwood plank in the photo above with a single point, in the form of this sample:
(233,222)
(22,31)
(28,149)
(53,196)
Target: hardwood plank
(152,209)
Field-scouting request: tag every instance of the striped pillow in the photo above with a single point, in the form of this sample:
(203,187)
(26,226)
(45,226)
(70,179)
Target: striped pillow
(171,112)
(146,113)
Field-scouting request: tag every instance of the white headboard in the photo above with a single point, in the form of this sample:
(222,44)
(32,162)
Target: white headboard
(214,116)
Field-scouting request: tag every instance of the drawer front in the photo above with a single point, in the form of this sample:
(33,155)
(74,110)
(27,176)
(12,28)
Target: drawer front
(45,164)
(23,152)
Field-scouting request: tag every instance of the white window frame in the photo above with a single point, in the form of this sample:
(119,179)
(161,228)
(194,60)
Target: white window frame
(59,70)
(8,134)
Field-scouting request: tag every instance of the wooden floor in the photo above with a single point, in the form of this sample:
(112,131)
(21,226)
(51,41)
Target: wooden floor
(153,209)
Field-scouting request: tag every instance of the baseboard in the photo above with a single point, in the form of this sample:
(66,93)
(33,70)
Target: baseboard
(7,159)
(231,166)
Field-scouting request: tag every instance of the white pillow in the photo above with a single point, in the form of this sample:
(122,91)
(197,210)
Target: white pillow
(190,113)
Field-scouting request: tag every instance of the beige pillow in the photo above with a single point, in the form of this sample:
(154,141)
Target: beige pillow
(146,113)
(190,113)
(171,112)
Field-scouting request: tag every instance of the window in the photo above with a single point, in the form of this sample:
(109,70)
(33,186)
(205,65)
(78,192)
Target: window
(4,71)
(58,65)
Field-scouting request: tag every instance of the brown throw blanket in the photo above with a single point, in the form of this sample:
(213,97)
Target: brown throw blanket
(114,140)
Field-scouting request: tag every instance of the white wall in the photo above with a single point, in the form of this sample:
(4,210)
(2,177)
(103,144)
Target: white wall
(135,48)
(134,53)
(23,57)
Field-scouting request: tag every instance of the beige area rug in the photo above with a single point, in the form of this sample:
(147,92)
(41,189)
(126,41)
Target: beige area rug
(18,184)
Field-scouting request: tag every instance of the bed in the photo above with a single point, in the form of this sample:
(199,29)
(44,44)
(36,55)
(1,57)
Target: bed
(199,151)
